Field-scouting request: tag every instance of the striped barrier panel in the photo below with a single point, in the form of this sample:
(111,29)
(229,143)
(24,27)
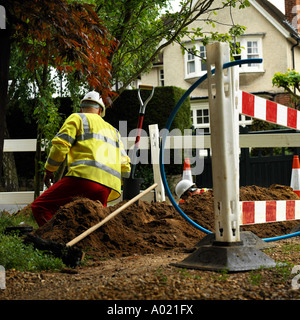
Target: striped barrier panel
(253,212)
(262,109)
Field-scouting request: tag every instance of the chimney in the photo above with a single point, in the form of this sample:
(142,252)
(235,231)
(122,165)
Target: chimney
(292,13)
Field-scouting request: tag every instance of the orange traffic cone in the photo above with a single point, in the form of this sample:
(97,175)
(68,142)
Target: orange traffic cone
(295,179)
(187,172)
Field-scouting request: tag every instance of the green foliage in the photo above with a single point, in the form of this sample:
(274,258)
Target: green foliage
(14,254)
(145,171)
(231,30)
(137,26)
(289,81)
(144,28)
(31,91)
(27,86)
(127,106)
(12,220)
(47,117)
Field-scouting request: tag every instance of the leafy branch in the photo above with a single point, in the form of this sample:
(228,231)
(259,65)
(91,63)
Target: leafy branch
(142,33)
(290,82)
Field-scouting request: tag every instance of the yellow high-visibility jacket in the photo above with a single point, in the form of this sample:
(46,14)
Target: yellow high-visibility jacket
(94,149)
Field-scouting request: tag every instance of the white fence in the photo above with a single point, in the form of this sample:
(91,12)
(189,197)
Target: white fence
(152,143)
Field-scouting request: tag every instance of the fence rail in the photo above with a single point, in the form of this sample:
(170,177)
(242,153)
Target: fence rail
(172,142)
(276,140)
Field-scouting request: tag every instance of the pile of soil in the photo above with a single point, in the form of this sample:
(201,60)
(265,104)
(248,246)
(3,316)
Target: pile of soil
(141,228)
(152,227)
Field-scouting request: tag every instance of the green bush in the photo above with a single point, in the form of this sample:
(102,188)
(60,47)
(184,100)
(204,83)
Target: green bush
(158,110)
(126,108)
(14,254)
(15,219)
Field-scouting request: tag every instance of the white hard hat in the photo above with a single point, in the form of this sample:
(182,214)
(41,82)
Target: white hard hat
(182,187)
(94,97)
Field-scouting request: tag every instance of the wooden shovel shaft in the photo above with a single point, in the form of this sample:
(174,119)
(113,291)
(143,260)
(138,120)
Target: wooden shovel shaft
(145,87)
(114,213)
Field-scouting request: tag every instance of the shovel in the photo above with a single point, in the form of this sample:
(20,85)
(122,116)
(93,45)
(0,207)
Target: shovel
(131,185)
(70,255)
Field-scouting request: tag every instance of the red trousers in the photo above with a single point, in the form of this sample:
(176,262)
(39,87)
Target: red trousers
(63,192)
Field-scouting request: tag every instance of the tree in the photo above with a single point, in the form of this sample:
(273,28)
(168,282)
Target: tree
(142,32)
(5,36)
(290,82)
(67,36)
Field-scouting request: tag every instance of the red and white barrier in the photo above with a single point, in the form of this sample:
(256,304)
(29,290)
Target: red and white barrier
(252,212)
(260,108)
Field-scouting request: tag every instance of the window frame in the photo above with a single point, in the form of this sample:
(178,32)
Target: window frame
(196,60)
(204,105)
(246,68)
(194,109)
(161,77)
(190,59)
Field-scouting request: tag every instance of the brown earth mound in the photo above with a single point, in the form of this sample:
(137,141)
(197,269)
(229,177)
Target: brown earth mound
(152,227)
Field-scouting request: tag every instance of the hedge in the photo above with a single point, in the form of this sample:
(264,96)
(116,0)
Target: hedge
(158,110)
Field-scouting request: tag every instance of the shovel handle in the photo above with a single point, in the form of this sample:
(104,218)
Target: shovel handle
(110,216)
(142,103)
(145,87)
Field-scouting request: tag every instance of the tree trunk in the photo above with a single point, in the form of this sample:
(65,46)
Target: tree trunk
(11,181)
(37,161)
(10,176)
(4,72)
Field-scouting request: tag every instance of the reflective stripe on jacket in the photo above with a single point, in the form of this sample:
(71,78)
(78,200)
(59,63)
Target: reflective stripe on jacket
(95,151)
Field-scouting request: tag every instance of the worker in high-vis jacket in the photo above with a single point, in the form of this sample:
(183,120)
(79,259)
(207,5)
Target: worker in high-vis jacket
(96,159)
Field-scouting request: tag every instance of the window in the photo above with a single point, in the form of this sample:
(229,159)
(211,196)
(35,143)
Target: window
(200,116)
(161,77)
(246,47)
(191,68)
(203,58)
(195,65)
(251,48)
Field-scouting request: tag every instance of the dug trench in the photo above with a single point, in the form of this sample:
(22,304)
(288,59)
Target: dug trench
(147,228)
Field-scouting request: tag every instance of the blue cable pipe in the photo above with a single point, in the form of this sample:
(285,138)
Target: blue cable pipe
(286,236)
(163,141)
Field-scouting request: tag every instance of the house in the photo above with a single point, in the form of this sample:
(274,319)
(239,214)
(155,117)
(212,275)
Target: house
(270,35)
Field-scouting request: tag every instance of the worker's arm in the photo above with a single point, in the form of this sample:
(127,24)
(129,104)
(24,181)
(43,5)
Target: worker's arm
(62,142)
(125,161)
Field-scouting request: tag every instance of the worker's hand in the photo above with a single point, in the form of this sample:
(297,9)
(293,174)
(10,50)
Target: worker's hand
(48,178)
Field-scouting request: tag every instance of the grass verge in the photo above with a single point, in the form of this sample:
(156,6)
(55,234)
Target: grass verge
(14,254)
